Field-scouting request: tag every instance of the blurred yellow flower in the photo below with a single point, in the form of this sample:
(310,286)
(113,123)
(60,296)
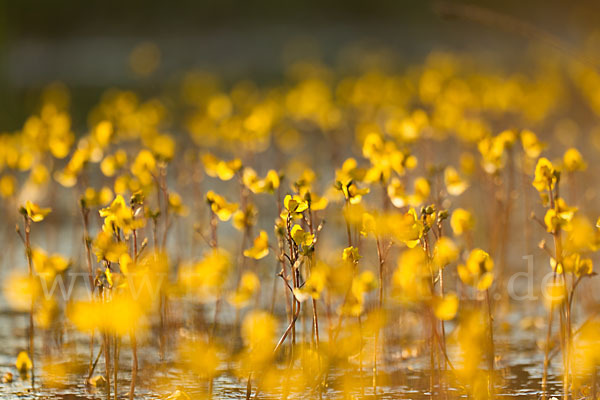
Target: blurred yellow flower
(455,185)
(445,252)
(478,270)
(544,178)
(246,290)
(118,316)
(8,186)
(20,290)
(224,170)
(107,248)
(48,265)
(559,217)
(220,206)
(573,161)
(461,221)
(445,308)
(176,205)
(260,249)
(531,145)
(23,362)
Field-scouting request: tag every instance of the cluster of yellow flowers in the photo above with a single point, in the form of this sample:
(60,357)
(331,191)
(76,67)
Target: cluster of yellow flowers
(356,202)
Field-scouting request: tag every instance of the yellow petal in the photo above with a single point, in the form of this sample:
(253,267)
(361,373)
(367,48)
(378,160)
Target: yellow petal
(445,308)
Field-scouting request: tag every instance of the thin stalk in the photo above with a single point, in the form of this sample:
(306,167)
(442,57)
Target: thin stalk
(214,245)
(547,345)
(380,306)
(106,347)
(491,343)
(31,332)
(88,258)
(134,365)
(165,193)
(115,365)
(134,361)
(312,259)
(360,357)
(91,370)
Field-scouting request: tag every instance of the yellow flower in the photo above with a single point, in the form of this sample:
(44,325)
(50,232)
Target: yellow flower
(315,284)
(249,285)
(48,265)
(35,212)
(492,153)
(445,308)
(584,267)
(267,185)
(422,190)
(351,192)
(467,163)
(581,235)
(119,316)
(84,153)
(445,252)
(199,357)
(103,133)
(271,182)
(109,276)
(39,174)
(224,170)
(107,248)
(294,204)
(317,202)
(259,334)
(300,237)
(220,206)
(574,264)
(385,158)
(19,290)
(163,147)
(455,185)
(412,278)
(478,271)
(407,227)
(93,198)
(243,219)
(23,362)
(559,217)
(8,186)
(396,193)
(461,221)
(208,276)
(112,163)
(176,205)
(120,216)
(368,224)
(554,294)
(361,284)
(350,171)
(531,145)
(573,161)
(260,249)
(545,177)
(250,179)
(144,167)
(350,254)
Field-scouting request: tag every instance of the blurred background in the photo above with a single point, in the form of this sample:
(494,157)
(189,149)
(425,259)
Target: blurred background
(146,45)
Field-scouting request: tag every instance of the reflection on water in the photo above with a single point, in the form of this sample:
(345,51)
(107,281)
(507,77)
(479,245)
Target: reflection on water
(63,363)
